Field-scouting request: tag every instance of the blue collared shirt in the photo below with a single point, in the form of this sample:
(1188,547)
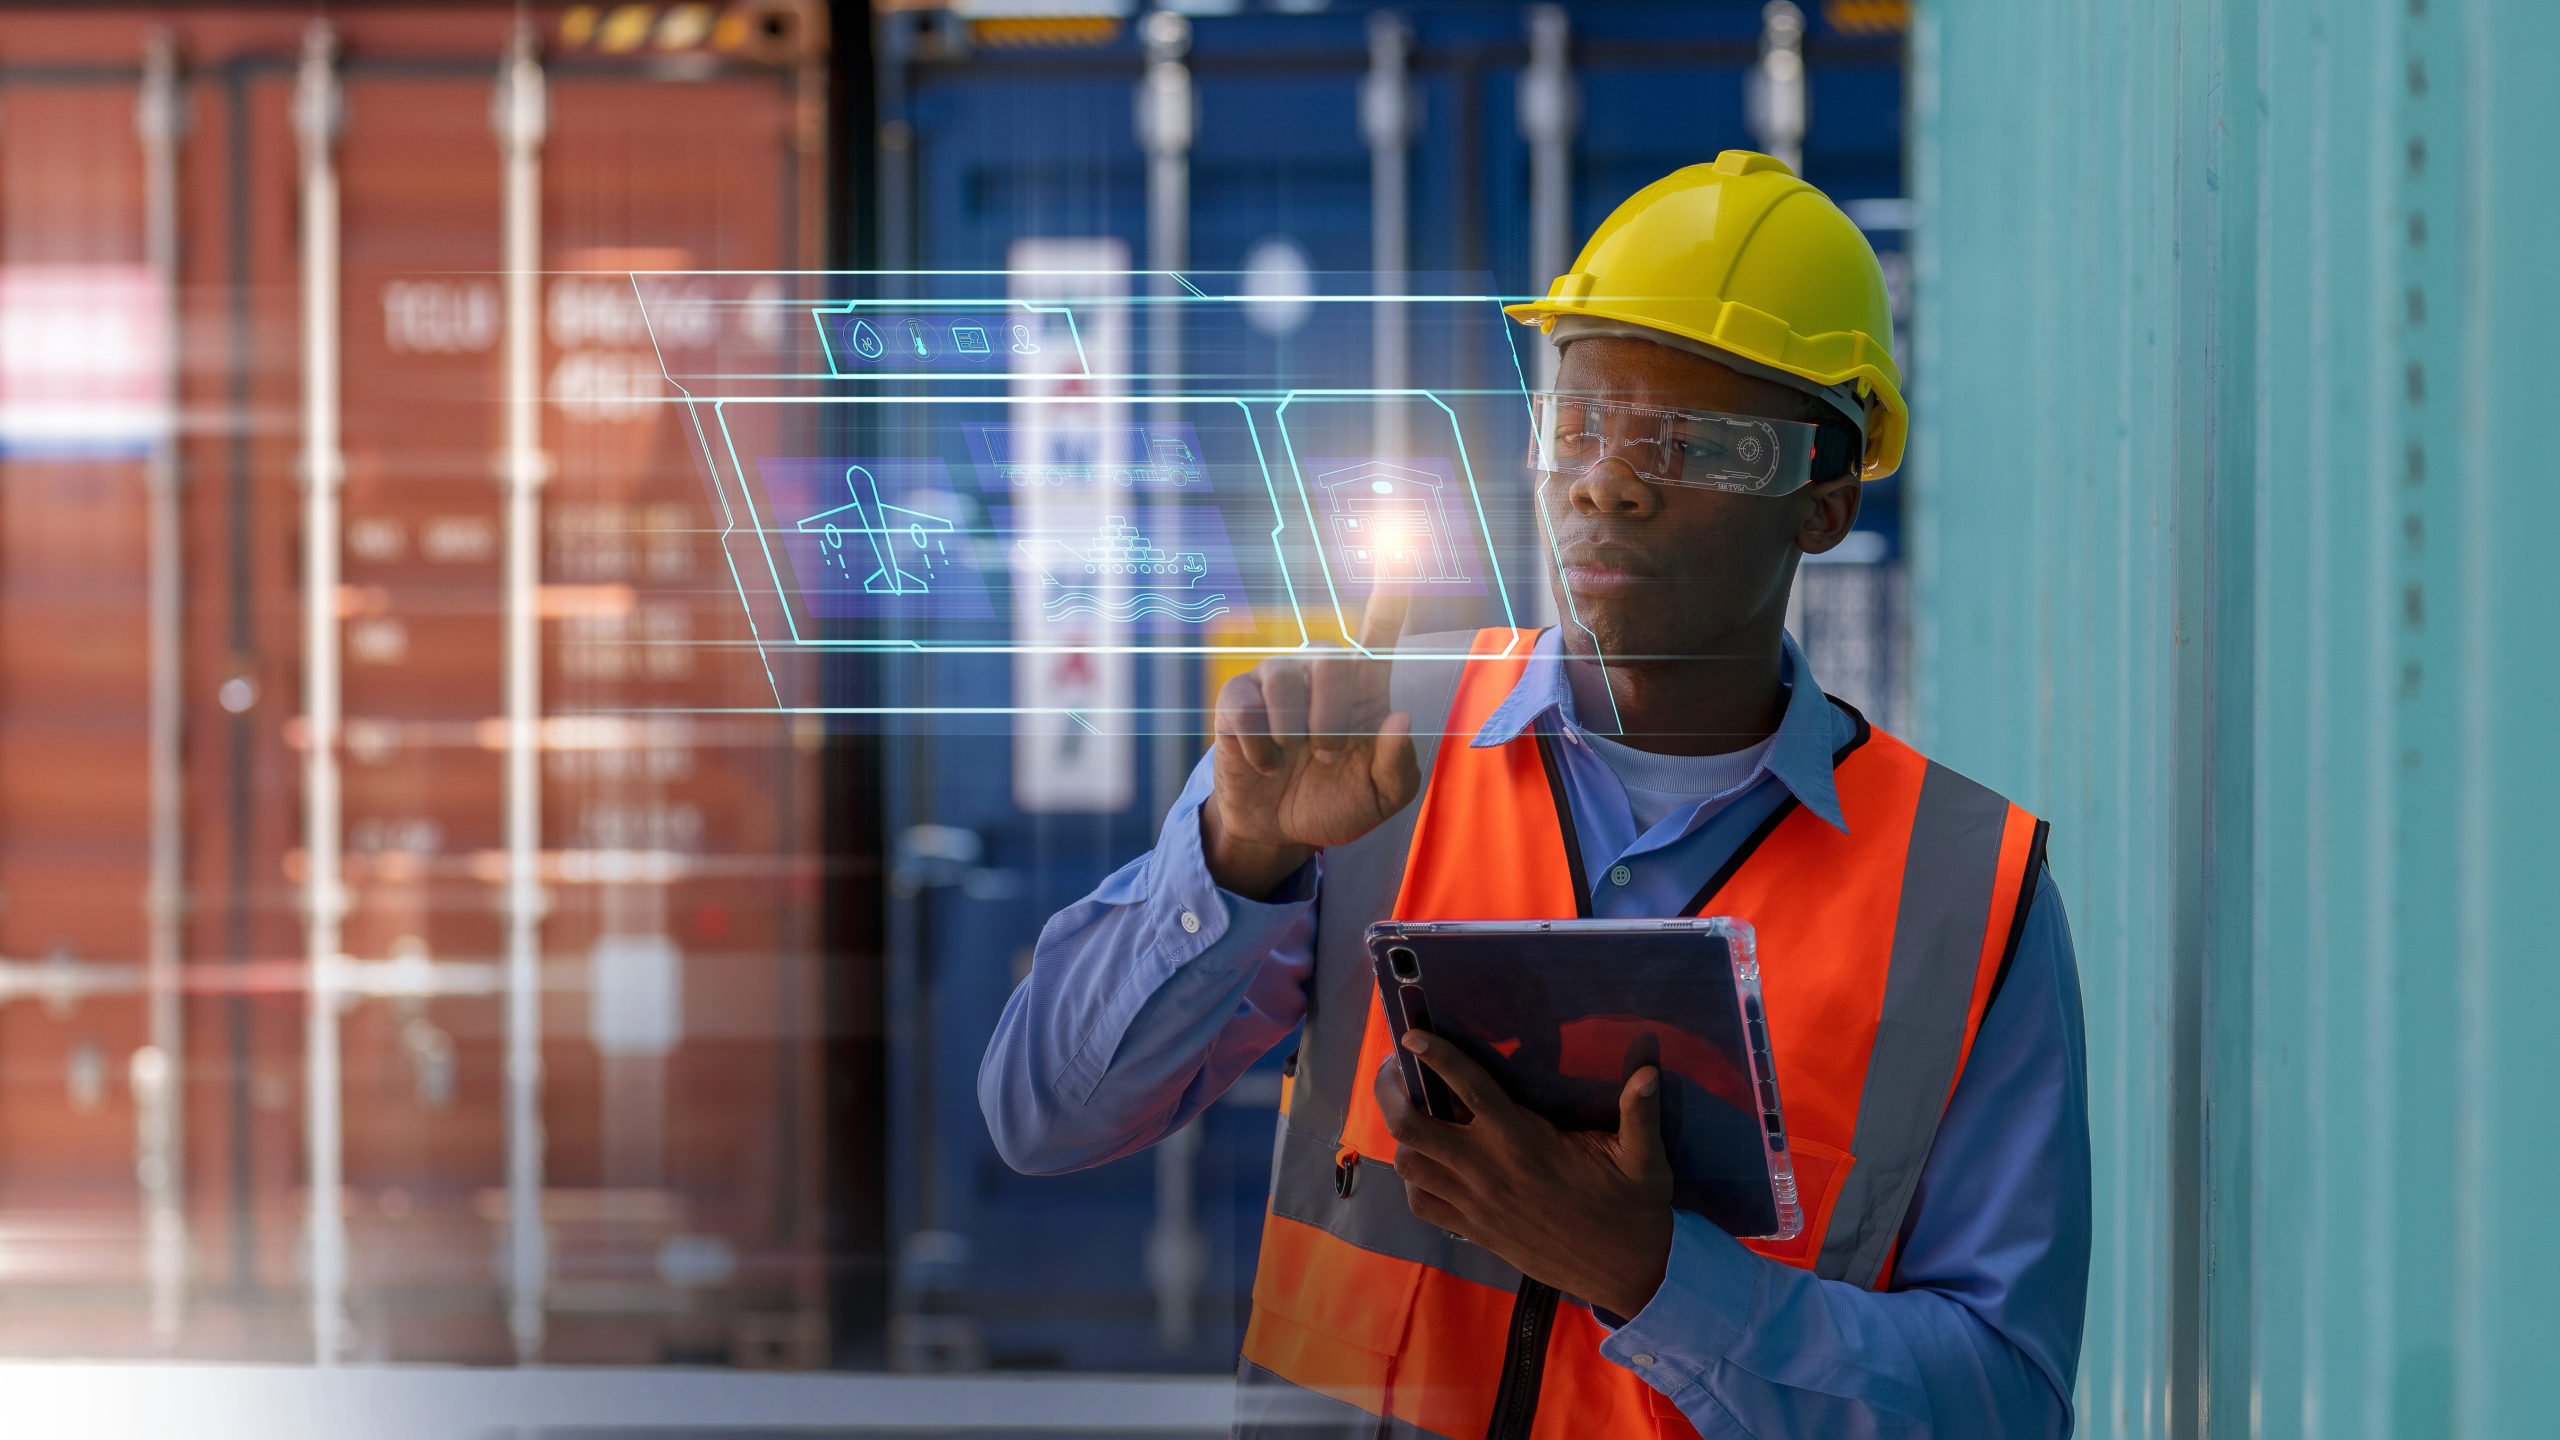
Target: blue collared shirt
(1666,865)
(1147,998)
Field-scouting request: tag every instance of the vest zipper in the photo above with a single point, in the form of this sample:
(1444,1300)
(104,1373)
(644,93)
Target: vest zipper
(1524,1361)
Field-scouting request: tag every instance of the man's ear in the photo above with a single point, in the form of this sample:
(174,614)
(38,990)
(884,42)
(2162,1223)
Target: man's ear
(1830,512)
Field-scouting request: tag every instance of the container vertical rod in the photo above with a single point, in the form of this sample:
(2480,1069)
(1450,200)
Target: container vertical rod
(893,39)
(1177,1252)
(1777,106)
(159,1069)
(809,130)
(316,115)
(1774,93)
(1167,114)
(1549,106)
(1387,123)
(522,117)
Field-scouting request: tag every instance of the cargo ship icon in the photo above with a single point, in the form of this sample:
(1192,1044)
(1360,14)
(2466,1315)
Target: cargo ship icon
(1119,575)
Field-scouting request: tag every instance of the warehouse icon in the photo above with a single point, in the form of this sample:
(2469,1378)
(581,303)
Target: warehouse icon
(1389,522)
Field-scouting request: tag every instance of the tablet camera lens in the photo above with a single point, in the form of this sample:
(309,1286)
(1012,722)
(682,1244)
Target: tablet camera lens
(1404,963)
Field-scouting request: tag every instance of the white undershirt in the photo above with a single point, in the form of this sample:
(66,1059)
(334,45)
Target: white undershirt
(1658,784)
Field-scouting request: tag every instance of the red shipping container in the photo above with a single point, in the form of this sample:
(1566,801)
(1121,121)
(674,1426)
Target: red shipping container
(681,1059)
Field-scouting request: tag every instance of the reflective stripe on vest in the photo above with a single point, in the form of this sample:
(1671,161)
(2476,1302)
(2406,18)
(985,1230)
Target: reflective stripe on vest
(1879,950)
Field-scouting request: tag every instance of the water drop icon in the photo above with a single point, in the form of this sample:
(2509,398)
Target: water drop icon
(866,341)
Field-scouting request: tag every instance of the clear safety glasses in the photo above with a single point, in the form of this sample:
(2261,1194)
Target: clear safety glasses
(1745,454)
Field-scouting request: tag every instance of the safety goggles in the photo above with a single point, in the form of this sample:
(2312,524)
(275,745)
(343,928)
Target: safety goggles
(1744,454)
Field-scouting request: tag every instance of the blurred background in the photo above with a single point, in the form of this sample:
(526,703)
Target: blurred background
(421,941)
(764,957)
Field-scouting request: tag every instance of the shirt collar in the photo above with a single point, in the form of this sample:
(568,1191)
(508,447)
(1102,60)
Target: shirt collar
(1799,755)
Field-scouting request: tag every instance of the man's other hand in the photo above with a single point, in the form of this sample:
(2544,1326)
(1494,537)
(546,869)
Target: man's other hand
(1307,756)
(1588,1212)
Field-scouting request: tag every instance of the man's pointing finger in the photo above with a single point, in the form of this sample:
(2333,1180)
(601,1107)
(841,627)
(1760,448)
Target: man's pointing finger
(1382,624)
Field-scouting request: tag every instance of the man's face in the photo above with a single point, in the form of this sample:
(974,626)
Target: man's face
(1676,571)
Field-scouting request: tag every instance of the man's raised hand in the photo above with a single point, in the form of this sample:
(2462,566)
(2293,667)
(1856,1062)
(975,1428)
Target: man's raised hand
(1307,755)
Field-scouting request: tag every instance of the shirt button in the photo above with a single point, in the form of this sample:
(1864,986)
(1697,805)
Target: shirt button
(1639,1359)
(1190,923)
(1620,874)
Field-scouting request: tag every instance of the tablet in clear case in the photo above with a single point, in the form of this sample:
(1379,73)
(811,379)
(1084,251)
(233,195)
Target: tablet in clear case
(1562,1012)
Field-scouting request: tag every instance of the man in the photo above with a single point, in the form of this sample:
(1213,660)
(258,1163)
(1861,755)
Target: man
(1666,751)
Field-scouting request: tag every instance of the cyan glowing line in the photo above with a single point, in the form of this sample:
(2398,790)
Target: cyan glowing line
(1315,527)
(1073,334)
(996,388)
(727,518)
(1134,298)
(1175,714)
(789,620)
(837,371)
(728,526)
(1306,501)
(1484,527)
(1555,559)
(873,645)
(1279,521)
(964,647)
(1140,608)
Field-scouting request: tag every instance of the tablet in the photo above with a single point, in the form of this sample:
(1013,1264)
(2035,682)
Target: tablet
(1562,1012)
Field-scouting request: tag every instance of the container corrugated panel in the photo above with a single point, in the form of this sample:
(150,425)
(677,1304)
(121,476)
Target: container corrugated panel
(2233,562)
(684,1157)
(72,861)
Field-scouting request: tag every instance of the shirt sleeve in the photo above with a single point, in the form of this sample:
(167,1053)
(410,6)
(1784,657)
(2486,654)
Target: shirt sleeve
(1980,1334)
(1146,999)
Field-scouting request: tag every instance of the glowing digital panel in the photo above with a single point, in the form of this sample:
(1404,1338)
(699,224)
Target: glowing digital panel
(984,465)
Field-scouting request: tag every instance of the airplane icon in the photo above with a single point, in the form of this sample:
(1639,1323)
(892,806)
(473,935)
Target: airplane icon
(906,547)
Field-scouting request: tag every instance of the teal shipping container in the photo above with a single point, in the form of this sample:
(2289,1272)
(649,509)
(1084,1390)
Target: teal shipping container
(2232,528)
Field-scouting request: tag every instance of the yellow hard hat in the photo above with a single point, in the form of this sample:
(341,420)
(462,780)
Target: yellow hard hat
(1742,256)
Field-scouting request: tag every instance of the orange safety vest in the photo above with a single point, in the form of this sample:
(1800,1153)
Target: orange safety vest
(1879,951)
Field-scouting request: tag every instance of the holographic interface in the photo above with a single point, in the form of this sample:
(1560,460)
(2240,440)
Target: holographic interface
(1081,463)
